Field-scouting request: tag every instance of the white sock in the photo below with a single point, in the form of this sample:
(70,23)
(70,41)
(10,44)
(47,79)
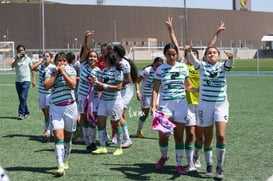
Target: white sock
(101,137)
(67,149)
(220,153)
(164,151)
(208,157)
(86,135)
(59,152)
(126,135)
(179,156)
(140,123)
(119,137)
(189,153)
(93,134)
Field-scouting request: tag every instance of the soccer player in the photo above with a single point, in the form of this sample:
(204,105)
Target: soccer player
(145,95)
(63,108)
(111,104)
(44,95)
(213,106)
(89,70)
(172,79)
(193,127)
(130,76)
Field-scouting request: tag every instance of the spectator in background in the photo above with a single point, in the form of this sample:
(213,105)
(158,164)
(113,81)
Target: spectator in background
(22,65)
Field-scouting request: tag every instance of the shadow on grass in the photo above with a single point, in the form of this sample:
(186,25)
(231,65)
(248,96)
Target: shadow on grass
(141,171)
(31,137)
(8,117)
(145,138)
(46,170)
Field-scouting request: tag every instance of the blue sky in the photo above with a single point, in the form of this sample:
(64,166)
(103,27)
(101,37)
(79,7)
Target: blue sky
(256,5)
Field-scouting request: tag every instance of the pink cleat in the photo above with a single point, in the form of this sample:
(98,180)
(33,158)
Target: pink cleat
(180,170)
(160,164)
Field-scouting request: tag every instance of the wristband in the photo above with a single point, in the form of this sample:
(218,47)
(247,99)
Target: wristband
(105,86)
(137,92)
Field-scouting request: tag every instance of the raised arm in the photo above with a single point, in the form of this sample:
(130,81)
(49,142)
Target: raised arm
(85,44)
(216,34)
(169,25)
(194,61)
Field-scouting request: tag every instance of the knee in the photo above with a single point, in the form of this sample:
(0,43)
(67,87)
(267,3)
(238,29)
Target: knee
(221,139)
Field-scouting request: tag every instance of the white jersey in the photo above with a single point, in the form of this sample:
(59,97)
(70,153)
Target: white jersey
(213,83)
(42,71)
(126,68)
(147,74)
(110,77)
(87,71)
(61,93)
(172,80)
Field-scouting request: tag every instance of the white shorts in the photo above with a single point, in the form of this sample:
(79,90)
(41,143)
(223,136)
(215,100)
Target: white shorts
(177,109)
(81,100)
(44,100)
(113,109)
(192,115)
(145,102)
(126,95)
(64,117)
(211,112)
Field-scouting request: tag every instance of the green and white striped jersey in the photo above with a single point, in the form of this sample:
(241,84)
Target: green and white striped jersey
(61,93)
(172,80)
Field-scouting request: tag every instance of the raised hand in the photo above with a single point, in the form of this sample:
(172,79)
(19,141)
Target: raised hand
(229,54)
(221,27)
(169,23)
(89,33)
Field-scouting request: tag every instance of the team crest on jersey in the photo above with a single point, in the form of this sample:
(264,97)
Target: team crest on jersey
(213,74)
(174,75)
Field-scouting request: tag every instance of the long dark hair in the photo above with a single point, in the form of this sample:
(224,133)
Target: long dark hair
(119,49)
(157,59)
(170,46)
(112,60)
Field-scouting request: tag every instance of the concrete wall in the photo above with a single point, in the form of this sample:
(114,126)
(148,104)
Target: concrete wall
(65,23)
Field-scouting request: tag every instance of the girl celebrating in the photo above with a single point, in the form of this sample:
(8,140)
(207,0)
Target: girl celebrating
(89,70)
(171,78)
(63,108)
(213,104)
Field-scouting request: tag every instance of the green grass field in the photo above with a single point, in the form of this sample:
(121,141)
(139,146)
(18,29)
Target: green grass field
(249,140)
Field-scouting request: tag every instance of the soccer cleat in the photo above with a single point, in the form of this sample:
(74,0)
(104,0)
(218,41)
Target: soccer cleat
(118,152)
(190,168)
(209,171)
(180,170)
(140,134)
(60,172)
(100,150)
(91,147)
(20,117)
(46,136)
(219,173)
(196,162)
(126,143)
(26,116)
(66,165)
(161,162)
